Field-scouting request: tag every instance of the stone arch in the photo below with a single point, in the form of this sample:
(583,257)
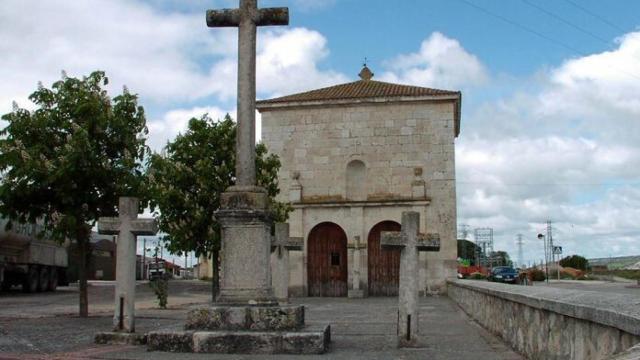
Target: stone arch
(356,180)
(327,260)
(383,265)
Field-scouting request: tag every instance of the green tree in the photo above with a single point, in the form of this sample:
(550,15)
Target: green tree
(186,181)
(575,261)
(501,258)
(468,250)
(66,163)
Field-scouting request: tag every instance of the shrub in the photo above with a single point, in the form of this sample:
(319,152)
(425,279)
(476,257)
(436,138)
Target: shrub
(160,287)
(537,275)
(477,276)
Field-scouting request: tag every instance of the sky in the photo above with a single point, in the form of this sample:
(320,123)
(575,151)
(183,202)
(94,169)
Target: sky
(551,89)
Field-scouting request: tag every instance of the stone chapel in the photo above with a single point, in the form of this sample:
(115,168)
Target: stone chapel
(354,157)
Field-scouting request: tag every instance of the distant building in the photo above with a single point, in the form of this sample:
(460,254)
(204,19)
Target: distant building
(101,264)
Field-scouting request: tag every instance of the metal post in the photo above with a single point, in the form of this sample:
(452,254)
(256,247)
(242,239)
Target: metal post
(144,259)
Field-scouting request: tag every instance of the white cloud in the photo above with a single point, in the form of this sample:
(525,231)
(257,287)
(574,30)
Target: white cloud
(562,146)
(168,58)
(441,62)
(176,121)
(153,53)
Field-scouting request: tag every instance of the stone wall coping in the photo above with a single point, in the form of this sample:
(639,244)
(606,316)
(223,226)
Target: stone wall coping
(378,100)
(620,311)
(350,204)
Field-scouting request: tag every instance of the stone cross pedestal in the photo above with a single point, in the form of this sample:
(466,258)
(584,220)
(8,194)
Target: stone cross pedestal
(355,291)
(281,245)
(411,242)
(127,226)
(246,226)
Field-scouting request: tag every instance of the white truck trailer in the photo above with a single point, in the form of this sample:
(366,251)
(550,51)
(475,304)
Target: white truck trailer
(28,261)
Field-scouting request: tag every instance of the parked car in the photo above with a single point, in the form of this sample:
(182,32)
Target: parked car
(504,274)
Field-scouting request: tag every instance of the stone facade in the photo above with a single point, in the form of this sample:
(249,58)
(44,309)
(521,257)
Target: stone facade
(359,162)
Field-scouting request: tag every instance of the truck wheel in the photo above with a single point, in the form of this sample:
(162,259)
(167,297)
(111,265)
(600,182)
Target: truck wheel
(53,279)
(43,278)
(30,283)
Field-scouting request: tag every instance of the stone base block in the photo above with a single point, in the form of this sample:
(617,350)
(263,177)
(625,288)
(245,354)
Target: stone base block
(170,341)
(251,318)
(309,341)
(355,294)
(117,338)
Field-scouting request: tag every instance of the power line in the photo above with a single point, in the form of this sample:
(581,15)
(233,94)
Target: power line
(539,34)
(523,27)
(565,21)
(587,11)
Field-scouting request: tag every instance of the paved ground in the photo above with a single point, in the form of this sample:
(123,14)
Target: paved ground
(44,326)
(628,287)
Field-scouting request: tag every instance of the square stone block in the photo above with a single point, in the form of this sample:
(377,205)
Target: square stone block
(170,341)
(316,342)
(220,342)
(270,318)
(276,318)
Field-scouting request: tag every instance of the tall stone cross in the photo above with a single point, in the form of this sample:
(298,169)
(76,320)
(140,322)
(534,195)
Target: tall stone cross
(246,19)
(281,245)
(411,242)
(127,226)
(243,215)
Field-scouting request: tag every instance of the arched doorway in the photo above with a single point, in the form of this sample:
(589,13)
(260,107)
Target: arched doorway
(327,261)
(383,264)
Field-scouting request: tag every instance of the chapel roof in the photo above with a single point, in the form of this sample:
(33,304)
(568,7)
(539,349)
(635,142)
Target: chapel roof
(365,90)
(361,90)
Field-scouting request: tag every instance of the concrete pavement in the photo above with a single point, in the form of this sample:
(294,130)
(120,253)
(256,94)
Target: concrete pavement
(361,328)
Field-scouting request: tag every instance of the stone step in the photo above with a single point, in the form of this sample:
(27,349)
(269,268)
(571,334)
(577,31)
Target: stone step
(250,318)
(310,340)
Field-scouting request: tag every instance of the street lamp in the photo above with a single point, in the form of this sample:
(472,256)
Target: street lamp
(546,257)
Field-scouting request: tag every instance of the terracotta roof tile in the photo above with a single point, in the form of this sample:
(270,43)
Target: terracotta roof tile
(362,89)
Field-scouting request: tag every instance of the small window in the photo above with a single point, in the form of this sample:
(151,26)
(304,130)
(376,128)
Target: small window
(335,259)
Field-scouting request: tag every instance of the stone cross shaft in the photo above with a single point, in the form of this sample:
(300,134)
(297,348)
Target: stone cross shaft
(127,226)
(246,19)
(411,242)
(281,245)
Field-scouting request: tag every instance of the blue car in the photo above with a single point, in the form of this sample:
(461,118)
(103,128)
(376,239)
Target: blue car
(504,274)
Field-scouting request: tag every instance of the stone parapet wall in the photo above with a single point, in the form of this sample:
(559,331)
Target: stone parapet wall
(550,323)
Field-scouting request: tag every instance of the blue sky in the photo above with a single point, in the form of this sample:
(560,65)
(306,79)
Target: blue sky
(551,89)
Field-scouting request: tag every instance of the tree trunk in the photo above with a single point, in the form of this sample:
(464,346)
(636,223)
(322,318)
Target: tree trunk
(215,277)
(82,239)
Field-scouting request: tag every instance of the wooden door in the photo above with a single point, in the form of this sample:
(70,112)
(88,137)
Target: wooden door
(383,264)
(327,261)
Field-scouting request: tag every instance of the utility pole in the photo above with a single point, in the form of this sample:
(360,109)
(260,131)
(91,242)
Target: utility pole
(550,243)
(143,275)
(520,242)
